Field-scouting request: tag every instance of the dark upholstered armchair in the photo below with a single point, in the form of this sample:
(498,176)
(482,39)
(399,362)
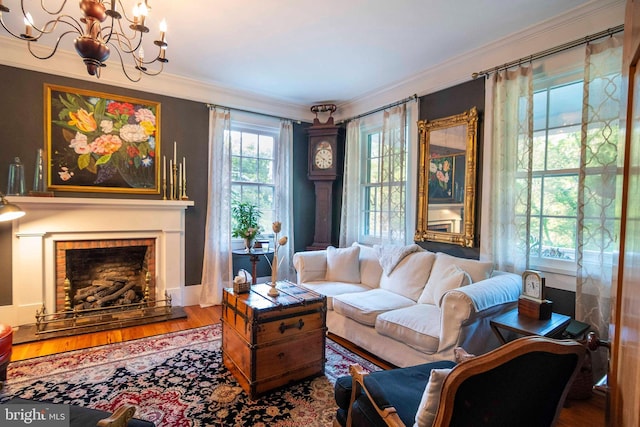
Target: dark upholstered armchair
(522,383)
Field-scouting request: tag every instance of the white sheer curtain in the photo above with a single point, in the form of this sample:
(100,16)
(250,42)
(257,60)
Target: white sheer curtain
(217,261)
(389,204)
(351,187)
(511,154)
(599,183)
(283,198)
(393,176)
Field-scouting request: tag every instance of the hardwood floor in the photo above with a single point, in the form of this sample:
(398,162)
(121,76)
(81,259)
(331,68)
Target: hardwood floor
(576,413)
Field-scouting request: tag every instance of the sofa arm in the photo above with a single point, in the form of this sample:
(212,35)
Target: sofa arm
(500,288)
(461,305)
(310,265)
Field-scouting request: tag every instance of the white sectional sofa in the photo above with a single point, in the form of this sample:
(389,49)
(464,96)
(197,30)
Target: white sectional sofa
(416,309)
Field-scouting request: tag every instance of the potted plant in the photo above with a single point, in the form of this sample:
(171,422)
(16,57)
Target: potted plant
(246,216)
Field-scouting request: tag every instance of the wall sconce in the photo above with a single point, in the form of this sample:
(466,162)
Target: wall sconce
(9,211)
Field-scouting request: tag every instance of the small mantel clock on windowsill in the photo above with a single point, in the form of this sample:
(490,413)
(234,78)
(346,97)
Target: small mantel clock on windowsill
(323,171)
(532,302)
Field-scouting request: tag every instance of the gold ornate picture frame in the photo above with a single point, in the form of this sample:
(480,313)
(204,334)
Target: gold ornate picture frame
(97,142)
(447,179)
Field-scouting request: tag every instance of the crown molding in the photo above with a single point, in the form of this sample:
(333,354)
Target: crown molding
(65,63)
(595,16)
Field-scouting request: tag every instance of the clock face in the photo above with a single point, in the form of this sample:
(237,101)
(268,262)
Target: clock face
(323,159)
(533,285)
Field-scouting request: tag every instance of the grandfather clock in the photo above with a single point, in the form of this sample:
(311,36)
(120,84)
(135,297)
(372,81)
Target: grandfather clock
(323,170)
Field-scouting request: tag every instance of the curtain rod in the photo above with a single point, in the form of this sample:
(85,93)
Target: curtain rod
(210,106)
(394,104)
(551,51)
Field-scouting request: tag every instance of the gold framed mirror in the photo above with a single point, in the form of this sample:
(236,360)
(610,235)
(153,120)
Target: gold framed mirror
(447,179)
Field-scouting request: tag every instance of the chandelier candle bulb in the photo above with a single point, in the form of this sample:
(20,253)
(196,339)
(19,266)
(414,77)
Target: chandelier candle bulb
(136,14)
(141,57)
(28,24)
(163,30)
(143,15)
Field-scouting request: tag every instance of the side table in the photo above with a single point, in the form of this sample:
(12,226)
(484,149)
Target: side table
(513,322)
(254,257)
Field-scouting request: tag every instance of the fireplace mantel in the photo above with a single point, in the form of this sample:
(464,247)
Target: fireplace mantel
(52,219)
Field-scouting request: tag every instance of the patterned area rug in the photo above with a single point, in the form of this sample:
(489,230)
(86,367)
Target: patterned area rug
(176,379)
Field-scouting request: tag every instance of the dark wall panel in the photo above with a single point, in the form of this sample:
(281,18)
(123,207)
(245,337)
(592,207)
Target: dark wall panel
(304,205)
(184,121)
(22,133)
(449,102)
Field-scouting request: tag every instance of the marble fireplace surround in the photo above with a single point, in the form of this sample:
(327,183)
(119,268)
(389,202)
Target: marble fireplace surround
(49,220)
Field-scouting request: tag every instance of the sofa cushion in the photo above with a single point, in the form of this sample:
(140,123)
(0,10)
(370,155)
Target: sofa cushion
(331,289)
(428,407)
(417,326)
(310,265)
(478,270)
(453,277)
(364,307)
(370,268)
(343,264)
(410,275)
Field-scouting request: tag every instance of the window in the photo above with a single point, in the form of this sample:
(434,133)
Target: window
(384,188)
(553,221)
(252,169)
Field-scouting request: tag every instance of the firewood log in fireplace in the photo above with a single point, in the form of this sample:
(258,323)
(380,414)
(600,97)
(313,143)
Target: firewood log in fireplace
(115,295)
(104,293)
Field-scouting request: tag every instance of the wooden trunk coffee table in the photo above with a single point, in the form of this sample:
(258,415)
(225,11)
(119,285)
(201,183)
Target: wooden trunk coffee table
(268,342)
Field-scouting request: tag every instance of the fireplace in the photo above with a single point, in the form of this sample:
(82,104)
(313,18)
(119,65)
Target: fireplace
(53,226)
(103,273)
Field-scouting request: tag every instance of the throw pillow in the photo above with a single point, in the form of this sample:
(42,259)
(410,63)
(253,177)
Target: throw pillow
(453,277)
(343,264)
(426,414)
(410,275)
(370,268)
(478,270)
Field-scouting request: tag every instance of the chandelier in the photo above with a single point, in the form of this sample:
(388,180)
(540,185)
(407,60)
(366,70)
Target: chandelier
(98,28)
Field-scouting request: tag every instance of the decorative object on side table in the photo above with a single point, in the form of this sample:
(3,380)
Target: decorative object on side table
(532,302)
(246,216)
(241,283)
(277,227)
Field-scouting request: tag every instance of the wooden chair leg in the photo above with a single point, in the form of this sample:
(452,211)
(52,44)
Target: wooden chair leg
(120,418)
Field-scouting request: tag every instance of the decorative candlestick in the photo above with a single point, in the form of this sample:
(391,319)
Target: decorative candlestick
(174,193)
(170,180)
(184,179)
(179,194)
(164,177)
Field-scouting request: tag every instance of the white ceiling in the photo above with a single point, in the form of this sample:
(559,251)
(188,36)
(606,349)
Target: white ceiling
(305,52)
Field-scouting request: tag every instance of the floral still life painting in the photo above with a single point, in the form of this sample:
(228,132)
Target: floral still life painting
(102,142)
(446,183)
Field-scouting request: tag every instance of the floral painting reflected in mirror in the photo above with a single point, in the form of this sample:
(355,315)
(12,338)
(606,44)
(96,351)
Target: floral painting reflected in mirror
(101,143)
(447,179)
